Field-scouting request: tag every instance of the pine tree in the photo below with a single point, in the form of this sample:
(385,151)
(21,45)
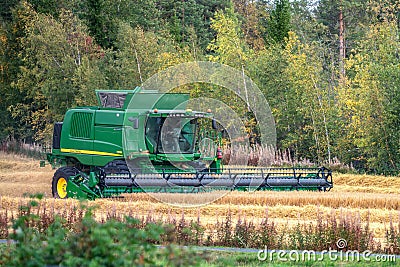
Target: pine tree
(279,21)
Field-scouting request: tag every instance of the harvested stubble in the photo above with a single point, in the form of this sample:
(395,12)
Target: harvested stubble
(19,175)
(272,198)
(366,183)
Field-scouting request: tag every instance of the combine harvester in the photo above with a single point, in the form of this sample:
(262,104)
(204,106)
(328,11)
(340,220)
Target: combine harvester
(122,146)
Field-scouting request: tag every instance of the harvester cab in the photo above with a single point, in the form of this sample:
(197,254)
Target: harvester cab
(141,140)
(172,138)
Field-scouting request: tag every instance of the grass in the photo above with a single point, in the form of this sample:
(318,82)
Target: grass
(249,259)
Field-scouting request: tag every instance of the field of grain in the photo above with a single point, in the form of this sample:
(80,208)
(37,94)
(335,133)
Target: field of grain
(375,199)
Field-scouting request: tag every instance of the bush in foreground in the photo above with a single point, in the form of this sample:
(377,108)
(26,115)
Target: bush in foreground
(89,243)
(72,237)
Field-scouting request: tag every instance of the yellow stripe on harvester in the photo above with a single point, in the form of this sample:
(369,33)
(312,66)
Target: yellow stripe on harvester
(89,152)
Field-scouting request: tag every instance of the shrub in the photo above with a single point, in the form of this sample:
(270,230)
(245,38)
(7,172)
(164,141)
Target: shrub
(112,243)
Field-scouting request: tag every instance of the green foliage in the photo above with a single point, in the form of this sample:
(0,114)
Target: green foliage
(52,63)
(188,22)
(370,102)
(311,99)
(251,15)
(103,17)
(354,15)
(12,35)
(228,47)
(53,8)
(279,21)
(113,243)
(307,25)
(137,56)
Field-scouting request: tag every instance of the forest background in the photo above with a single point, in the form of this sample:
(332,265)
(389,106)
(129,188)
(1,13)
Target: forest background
(330,70)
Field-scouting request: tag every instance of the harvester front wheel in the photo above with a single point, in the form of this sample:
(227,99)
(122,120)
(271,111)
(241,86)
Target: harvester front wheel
(60,180)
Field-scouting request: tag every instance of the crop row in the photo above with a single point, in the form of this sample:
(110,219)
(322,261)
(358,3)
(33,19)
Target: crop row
(271,198)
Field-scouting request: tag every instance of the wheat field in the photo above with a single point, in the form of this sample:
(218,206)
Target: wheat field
(375,199)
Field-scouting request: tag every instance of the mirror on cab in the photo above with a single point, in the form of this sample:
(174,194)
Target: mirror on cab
(214,124)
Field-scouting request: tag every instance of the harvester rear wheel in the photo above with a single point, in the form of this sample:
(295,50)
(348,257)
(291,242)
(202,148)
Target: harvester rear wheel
(60,180)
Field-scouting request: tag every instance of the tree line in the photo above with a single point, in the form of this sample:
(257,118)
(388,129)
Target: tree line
(330,70)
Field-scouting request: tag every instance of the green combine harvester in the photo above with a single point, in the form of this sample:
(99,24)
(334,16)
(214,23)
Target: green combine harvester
(126,145)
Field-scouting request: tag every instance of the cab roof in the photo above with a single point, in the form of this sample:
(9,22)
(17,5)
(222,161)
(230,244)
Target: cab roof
(140,99)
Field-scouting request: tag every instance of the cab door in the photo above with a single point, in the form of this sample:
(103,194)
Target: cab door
(108,132)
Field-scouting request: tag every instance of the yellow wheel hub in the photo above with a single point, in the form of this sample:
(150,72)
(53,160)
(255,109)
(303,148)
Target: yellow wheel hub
(62,187)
